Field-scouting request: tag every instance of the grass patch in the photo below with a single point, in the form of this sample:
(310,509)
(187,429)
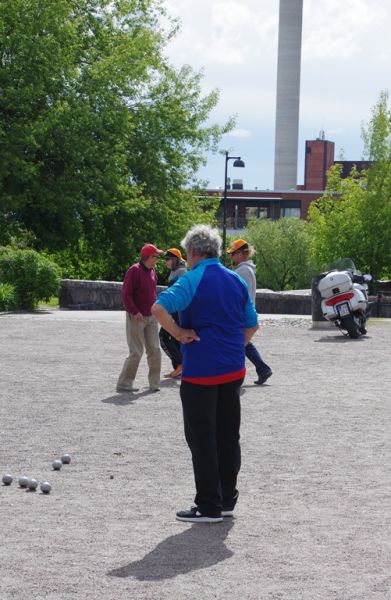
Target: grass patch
(52,303)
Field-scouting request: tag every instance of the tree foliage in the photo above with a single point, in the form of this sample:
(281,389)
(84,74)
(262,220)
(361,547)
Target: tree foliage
(282,253)
(32,277)
(7,297)
(353,218)
(99,134)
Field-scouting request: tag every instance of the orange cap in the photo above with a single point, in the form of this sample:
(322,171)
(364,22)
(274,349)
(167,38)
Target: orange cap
(236,245)
(175,252)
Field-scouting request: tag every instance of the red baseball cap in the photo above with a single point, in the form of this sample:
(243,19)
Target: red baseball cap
(150,249)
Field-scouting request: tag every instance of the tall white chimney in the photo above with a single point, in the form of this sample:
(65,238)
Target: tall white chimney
(288,94)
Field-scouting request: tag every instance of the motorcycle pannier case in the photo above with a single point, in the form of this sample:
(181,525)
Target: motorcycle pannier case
(334,283)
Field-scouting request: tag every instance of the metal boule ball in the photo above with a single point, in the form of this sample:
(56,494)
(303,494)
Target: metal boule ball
(23,481)
(66,459)
(7,479)
(32,484)
(57,464)
(46,487)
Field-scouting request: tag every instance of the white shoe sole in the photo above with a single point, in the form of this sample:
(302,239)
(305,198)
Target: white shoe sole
(199,519)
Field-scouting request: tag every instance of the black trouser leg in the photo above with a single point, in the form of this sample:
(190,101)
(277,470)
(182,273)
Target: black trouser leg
(171,347)
(212,421)
(228,428)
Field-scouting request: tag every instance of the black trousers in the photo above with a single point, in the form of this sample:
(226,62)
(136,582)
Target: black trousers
(171,347)
(211,417)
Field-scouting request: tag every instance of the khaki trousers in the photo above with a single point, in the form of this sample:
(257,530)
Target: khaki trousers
(140,335)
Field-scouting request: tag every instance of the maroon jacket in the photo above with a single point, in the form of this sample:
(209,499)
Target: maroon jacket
(139,289)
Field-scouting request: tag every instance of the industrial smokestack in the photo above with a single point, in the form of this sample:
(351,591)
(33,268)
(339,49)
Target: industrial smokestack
(288,94)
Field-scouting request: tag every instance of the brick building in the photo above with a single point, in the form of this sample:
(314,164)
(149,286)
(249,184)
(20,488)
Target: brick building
(243,204)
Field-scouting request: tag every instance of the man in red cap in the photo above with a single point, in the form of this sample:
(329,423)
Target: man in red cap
(142,331)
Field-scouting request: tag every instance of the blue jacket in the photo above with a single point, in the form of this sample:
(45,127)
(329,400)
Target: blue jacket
(213,301)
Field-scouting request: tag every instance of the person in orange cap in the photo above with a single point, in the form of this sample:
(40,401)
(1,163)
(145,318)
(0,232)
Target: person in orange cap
(176,263)
(142,329)
(241,253)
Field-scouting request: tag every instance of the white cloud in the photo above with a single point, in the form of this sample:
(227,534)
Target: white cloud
(346,62)
(240,133)
(225,33)
(339,30)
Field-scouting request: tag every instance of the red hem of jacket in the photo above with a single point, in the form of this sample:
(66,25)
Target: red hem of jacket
(216,379)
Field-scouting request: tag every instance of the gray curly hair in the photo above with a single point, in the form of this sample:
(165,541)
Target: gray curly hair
(204,241)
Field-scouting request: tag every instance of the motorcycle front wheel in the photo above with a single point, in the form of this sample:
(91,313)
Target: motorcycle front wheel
(352,326)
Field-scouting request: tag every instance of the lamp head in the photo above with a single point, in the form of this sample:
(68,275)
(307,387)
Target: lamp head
(238,163)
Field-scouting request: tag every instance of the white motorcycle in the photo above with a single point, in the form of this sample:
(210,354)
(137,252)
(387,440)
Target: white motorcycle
(344,297)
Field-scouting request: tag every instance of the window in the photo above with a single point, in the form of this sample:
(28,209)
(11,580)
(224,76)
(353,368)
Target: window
(290,212)
(256,212)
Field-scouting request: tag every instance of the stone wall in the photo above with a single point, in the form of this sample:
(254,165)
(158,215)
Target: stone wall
(285,303)
(76,294)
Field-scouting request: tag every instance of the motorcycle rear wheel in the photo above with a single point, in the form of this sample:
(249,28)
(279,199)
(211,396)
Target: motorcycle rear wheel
(352,326)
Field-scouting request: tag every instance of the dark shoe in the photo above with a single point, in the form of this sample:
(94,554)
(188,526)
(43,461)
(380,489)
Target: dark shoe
(228,508)
(126,388)
(194,516)
(262,378)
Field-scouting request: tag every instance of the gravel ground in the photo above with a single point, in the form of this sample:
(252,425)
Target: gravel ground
(313,520)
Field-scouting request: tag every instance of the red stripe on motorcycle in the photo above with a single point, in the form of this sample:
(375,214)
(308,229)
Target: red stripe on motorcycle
(341,298)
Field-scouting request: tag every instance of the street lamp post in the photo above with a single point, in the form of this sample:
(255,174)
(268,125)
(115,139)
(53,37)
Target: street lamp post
(238,163)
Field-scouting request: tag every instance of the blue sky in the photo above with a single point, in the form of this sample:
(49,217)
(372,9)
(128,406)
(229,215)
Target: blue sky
(346,63)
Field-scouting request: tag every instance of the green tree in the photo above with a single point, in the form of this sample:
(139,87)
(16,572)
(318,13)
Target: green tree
(353,218)
(99,134)
(282,253)
(32,276)
(7,297)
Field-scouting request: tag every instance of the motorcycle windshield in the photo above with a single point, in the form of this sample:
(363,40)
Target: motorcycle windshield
(343,264)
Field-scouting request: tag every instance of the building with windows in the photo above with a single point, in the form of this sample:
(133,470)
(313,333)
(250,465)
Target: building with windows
(245,204)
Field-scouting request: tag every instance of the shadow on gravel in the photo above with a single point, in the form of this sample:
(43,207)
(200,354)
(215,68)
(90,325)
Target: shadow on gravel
(198,547)
(121,399)
(37,311)
(339,339)
(251,386)
(126,398)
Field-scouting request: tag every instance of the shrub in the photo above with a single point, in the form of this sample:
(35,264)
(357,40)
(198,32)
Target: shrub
(7,297)
(33,276)
(282,253)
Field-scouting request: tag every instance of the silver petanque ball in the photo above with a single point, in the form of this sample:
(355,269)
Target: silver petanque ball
(32,484)
(57,464)
(7,479)
(66,459)
(23,481)
(45,487)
